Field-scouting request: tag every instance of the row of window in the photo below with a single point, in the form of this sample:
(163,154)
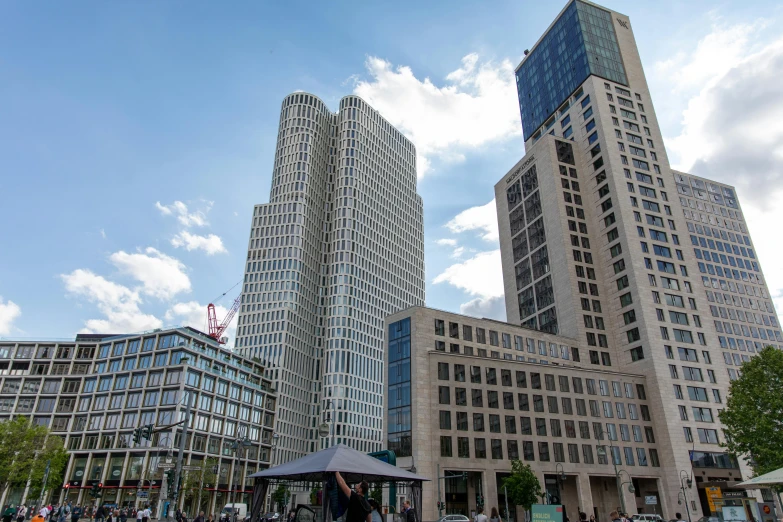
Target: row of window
(558,449)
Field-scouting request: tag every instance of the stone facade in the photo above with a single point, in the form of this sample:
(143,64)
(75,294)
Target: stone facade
(481,393)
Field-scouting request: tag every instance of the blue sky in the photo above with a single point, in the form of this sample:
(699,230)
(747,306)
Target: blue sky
(113,111)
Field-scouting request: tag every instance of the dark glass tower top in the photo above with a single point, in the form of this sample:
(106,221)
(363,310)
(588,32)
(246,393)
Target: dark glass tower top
(581,42)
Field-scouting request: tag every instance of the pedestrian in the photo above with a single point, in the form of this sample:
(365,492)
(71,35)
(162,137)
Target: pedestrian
(183,517)
(21,512)
(145,514)
(124,515)
(100,513)
(358,508)
(376,515)
(678,516)
(76,513)
(614,516)
(480,516)
(199,518)
(410,514)
(139,514)
(495,516)
(592,518)
(8,513)
(38,518)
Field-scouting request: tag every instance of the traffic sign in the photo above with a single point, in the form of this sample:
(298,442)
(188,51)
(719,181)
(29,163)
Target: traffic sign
(191,468)
(166,466)
(651,500)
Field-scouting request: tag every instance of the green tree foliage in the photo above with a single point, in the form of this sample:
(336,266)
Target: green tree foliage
(523,486)
(376,492)
(193,480)
(280,494)
(753,417)
(54,453)
(25,450)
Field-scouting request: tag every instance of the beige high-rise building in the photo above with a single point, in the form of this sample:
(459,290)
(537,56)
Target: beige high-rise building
(338,247)
(652,271)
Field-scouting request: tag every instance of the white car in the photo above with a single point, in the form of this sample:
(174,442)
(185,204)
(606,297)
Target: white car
(453,518)
(647,517)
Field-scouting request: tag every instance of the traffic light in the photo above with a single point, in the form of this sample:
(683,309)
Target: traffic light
(171,487)
(95,491)
(146,431)
(137,435)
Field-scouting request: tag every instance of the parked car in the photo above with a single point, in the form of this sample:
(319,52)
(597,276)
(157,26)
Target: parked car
(709,519)
(647,517)
(453,518)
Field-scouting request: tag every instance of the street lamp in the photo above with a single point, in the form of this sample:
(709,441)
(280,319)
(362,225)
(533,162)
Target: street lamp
(685,481)
(601,450)
(324,429)
(238,446)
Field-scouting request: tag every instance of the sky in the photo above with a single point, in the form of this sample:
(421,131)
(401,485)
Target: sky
(135,137)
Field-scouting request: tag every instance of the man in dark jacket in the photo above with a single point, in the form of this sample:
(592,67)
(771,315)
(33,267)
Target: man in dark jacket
(410,514)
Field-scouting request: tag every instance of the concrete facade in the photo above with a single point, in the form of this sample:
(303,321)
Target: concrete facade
(94,391)
(622,230)
(478,401)
(338,247)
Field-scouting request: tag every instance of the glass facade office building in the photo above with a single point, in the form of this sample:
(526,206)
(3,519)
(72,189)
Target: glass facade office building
(581,42)
(95,390)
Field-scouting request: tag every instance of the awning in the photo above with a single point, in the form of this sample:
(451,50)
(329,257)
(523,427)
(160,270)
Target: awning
(768,479)
(353,465)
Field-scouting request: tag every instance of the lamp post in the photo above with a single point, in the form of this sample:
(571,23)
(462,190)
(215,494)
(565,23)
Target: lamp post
(182,439)
(238,446)
(275,439)
(601,449)
(685,480)
(325,428)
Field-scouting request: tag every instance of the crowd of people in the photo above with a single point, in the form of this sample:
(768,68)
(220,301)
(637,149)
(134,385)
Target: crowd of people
(68,512)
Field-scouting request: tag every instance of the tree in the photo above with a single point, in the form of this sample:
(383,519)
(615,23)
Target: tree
(376,492)
(522,485)
(54,454)
(25,450)
(753,417)
(193,482)
(280,495)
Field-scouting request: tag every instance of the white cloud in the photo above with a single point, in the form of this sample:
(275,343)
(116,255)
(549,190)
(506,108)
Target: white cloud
(489,307)
(103,233)
(161,276)
(211,244)
(480,275)
(482,218)
(194,314)
(118,303)
(732,128)
(447,242)
(9,312)
(458,252)
(477,105)
(186,217)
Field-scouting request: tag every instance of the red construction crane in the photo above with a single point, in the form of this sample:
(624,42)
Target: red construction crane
(216,330)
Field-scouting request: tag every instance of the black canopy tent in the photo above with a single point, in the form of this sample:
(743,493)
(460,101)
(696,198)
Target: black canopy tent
(353,465)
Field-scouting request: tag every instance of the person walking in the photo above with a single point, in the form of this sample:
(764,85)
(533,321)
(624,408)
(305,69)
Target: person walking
(480,516)
(8,513)
(199,518)
(614,516)
(21,512)
(495,516)
(124,515)
(376,515)
(76,513)
(100,514)
(145,514)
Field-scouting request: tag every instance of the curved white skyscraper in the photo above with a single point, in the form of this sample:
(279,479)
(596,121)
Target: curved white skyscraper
(338,247)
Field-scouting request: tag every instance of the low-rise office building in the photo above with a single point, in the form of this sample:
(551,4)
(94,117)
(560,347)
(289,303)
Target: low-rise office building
(96,390)
(469,395)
